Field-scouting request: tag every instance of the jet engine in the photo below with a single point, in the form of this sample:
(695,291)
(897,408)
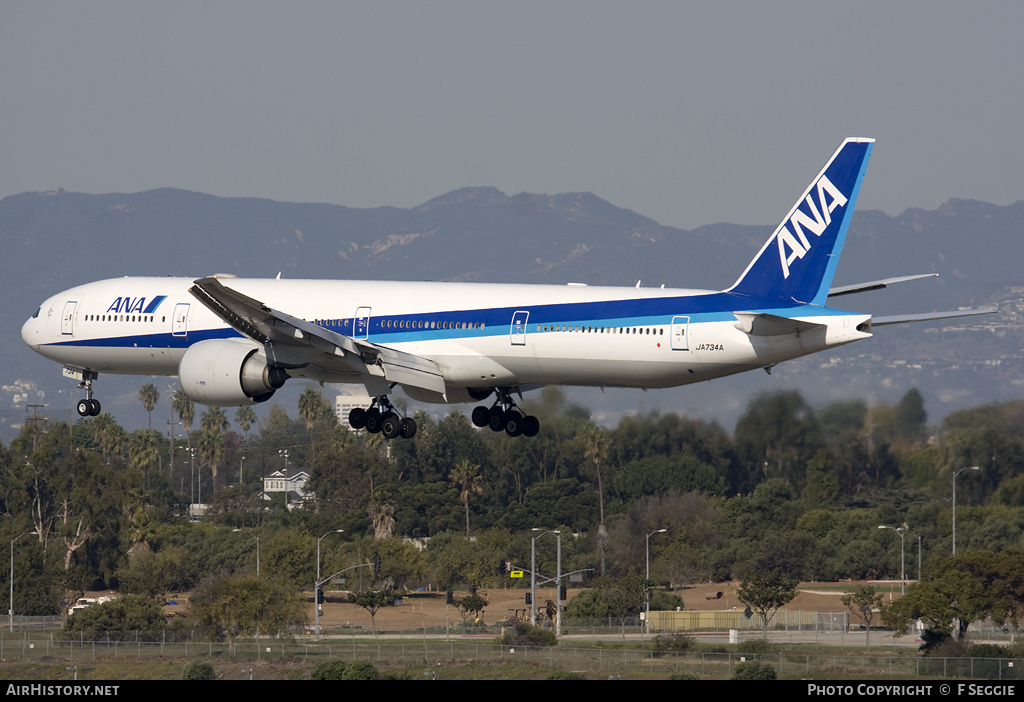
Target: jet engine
(228,372)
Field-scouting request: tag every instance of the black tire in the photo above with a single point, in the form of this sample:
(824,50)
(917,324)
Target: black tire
(496,419)
(531,425)
(357,418)
(85,408)
(373,420)
(513,423)
(390,425)
(408,428)
(94,410)
(481,416)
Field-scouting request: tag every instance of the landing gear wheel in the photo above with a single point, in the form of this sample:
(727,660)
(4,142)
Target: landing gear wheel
(531,425)
(496,419)
(513,423)
(85,408)
(373,420)
(481,416)
(408,428)
(357,418)
(391,425)
(95,411)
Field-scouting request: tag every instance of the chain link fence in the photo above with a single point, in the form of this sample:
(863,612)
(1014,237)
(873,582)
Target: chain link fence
(604,658)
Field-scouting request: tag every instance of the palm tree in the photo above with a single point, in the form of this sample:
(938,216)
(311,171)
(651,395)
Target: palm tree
(312,407)
(245,417)
(211,439)
(144,452)
(466,477)
(187,414)
(149,396)
(596,450)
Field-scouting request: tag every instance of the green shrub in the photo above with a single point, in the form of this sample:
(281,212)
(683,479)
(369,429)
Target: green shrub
(674,642)
(664,601)
(524,634)
(753,670)
(987,651)
(328,670)
(360,670)
(198,670)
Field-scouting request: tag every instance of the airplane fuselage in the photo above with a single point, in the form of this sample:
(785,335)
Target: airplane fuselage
(480,335)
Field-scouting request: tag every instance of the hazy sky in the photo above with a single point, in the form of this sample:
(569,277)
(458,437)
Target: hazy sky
(687,112)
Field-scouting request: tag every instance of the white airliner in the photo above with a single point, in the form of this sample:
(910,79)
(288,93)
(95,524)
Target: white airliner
(234,341)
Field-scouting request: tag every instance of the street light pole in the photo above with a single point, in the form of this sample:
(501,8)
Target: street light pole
(954,502)
(316,585)
(903,578)
(918,550)
(533,578)
(647,589)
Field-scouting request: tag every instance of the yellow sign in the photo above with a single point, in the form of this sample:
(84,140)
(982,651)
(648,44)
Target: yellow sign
(516,574)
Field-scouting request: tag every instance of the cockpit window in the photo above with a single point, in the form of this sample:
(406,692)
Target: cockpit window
(36,314)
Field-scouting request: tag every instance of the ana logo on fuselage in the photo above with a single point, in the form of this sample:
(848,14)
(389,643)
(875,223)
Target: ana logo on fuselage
(816,222)
(128,305)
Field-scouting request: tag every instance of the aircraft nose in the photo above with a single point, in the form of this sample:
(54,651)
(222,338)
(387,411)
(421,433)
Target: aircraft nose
(30,331)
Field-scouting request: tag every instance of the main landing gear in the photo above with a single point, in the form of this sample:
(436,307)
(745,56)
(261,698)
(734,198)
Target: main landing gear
(88,407)
(382,418)
(504,414)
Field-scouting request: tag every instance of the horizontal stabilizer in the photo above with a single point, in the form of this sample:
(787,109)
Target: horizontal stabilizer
(875,284)
(927,316)
(761,324)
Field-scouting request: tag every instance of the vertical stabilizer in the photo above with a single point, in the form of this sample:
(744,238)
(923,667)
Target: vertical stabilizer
(798,262)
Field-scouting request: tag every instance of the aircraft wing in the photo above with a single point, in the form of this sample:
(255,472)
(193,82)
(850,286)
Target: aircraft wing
(927,316)
(875,284)
(274,328)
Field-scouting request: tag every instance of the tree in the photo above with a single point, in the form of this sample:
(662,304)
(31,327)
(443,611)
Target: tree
(864,601)
(766,594)
(624,597)
(470,604)
(313,407)
(373,601)
(149,396)
(961,589)
(244,605)
(211,439)
(466,477)
(122,619)
(245,417)
(186,412)
(382,514)
(596,452)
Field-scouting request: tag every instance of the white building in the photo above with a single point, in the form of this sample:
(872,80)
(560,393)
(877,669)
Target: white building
(293,485)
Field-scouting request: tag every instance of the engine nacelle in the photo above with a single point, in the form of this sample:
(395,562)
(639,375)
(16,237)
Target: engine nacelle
(228,372)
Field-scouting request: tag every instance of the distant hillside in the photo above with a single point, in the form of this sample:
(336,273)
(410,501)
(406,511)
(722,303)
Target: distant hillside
(58,239)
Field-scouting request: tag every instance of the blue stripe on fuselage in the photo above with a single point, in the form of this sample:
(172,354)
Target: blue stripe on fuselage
(713,307)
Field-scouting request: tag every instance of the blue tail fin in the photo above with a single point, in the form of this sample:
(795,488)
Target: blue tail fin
(799,260)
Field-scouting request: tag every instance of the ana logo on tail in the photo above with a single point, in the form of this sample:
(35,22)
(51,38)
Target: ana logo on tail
(799,244)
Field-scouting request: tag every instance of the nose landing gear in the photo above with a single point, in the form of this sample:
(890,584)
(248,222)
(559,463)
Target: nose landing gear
(88,407)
